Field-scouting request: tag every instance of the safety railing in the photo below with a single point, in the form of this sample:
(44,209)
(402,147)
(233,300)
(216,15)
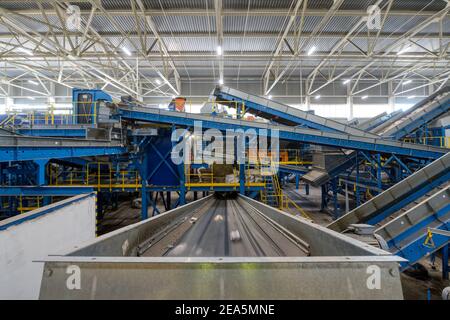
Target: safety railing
(97,177)
(439,141)
(285,157)
(282,200)
(217,175)
(53,116)
(28,203)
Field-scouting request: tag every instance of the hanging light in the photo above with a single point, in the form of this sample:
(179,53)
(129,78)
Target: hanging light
(311,50)
(403,50)
(127,52)
(27,51)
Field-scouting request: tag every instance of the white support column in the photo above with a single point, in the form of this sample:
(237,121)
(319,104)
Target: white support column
(350,101)
(308,102)
(350,107)
(51,97)
(9,102)
(391,97)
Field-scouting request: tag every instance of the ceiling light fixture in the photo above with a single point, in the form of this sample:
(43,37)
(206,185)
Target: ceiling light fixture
(127,52)
(407,81)
(403,50)
(311,50)
(25,50)
(33,82)
(219,50)
(346,81)
(364,97)
(317,97)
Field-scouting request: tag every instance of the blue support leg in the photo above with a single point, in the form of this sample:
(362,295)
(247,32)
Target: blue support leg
(358,196)
(41,178)
(445,266)
(297,181)
(242,179)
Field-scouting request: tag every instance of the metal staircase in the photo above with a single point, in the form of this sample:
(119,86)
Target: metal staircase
(271,195)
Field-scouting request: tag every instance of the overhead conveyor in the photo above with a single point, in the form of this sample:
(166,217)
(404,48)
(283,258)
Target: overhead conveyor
(21,148)
(285,132)
(283,114)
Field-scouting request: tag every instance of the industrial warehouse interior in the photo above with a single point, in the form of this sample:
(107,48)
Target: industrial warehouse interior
(197,150)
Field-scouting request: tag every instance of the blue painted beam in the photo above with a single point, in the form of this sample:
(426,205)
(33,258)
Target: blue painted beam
(53,132)
(223,189)
(300,135)
(24,153)
(293,169)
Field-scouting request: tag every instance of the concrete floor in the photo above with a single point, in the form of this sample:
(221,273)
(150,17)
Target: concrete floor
(413,288)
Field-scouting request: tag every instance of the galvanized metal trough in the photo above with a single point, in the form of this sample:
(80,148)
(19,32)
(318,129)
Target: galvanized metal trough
(109,267)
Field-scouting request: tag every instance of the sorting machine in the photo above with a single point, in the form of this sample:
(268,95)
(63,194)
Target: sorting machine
(134,156)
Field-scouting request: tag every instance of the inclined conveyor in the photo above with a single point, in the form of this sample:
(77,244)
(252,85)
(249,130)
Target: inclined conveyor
(378,120)
(223,249)
(396,127)
(403,213)
(423,112)
(281,113)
